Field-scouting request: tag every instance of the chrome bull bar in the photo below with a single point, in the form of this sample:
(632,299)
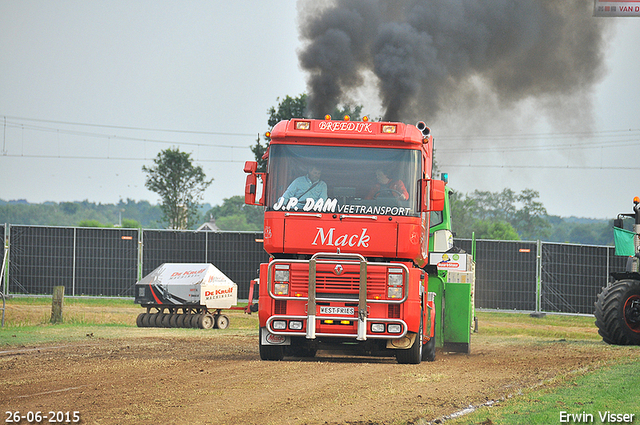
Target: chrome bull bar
(312,298)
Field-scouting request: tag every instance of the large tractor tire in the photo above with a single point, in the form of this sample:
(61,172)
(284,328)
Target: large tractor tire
(618,313)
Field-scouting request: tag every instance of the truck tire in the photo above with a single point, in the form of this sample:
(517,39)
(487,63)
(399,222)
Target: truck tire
(618,313)
(270,352)
(301,348)
(413,354)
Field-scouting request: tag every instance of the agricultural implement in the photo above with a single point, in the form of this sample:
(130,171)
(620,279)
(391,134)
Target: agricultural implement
(187,296)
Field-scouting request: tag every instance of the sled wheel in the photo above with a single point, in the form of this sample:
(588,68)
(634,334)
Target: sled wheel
(205,321)
(193,321)
(139,320)
(180,322)
(618,313)
(165,320)
(222,322)
(173,320)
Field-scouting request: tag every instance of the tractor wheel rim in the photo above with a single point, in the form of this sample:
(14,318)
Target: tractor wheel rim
(632,313)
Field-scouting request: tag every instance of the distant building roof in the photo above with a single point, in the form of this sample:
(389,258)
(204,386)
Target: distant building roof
(209,226)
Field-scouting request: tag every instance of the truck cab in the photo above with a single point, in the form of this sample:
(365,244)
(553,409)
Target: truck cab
(347,212)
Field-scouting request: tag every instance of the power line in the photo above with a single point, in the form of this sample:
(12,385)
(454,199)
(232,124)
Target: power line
(107,158)
(558,167)
(557,147)
(548,135)
(113,136)
(216,133)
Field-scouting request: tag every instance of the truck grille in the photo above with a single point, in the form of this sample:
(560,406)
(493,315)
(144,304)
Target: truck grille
(348,283)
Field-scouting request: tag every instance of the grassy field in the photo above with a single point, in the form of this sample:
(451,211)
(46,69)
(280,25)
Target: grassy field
(611,389)
(578,398)
(27,320)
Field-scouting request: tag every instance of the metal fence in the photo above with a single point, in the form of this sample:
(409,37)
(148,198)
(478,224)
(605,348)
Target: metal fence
(108,262)
(510,275)
(541,276)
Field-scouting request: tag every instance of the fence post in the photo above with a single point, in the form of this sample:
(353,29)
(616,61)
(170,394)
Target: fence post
(140,253)
(539,276)
(75,244)
(56,304)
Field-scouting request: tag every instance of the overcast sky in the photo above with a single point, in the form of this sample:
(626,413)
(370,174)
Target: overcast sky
(90,91)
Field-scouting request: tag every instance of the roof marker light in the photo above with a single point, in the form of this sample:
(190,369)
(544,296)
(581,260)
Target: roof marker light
(389,128)
(327,117)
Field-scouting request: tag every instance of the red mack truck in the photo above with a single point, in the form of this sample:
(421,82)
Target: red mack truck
(347,210)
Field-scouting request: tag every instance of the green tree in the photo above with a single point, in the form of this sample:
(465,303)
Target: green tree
(530,219)
(233,214)
(258,152)
(92,223)
(180,185)
(496,230)
(296,107)
(287,108)
(482,211)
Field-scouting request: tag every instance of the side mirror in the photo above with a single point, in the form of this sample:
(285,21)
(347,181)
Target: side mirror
(432,195)
(618,222)
(437,195)
(251,185)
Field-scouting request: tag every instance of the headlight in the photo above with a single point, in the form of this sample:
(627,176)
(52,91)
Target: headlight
(394,292)
(377,327)
(279,324)
(281,276)
(295,325)
(281,288)
(395,280)
(394,329)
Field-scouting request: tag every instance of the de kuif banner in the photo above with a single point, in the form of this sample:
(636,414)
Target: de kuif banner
(616,8)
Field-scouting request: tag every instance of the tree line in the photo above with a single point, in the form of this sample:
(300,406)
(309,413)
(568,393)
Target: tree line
(504,215)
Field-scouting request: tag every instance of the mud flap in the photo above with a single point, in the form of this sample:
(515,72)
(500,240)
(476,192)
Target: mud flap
(268,338)
(402,343)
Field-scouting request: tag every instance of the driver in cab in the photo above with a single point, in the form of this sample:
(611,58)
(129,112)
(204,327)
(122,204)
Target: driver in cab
(387,187)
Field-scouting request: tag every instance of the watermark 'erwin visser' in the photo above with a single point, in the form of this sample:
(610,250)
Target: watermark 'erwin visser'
(603,417)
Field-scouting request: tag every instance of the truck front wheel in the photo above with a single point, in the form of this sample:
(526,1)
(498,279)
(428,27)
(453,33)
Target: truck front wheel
(618,313)
(413,354)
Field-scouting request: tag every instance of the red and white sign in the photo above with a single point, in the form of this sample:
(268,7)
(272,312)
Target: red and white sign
(613,8)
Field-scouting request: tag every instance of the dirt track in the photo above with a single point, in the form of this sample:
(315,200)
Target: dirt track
(157,376)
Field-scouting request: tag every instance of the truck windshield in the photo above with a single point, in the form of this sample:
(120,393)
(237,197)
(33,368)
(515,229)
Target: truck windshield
(345,180)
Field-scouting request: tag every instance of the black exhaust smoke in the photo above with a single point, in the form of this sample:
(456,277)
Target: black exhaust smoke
(424,54)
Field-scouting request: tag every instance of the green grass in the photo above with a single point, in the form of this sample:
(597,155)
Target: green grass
(611,389)
(551,326)
(27,321)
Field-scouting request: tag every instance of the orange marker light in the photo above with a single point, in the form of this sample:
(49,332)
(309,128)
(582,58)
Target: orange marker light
(327,117)
(636,200)
(347,117)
